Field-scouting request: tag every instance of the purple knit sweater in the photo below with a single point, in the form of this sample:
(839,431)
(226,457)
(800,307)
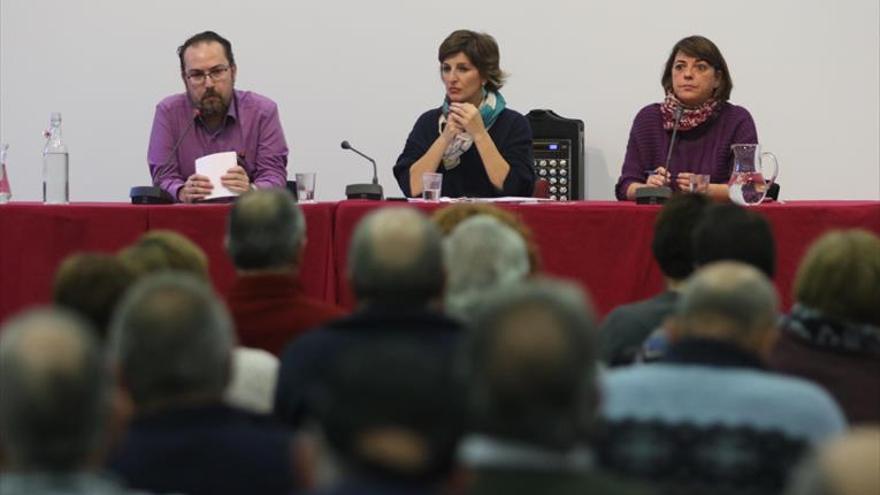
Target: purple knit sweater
(704,149)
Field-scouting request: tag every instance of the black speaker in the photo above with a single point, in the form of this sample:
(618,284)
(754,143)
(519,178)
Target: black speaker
(558,145)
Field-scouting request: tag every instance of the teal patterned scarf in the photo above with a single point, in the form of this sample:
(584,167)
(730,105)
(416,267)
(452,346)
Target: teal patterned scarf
(490,108)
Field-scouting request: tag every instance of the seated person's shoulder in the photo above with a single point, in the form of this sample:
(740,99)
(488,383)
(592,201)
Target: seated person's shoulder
(736,112)
(255,101)
(649,112)
(174,102)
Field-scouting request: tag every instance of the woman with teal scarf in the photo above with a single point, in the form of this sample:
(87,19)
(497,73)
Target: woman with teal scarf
(482,148)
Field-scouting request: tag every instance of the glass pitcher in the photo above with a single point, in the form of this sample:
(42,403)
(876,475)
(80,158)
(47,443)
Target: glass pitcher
(5,190)
(748,183)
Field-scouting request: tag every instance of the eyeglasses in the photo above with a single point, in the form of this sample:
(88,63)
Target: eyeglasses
(197,77)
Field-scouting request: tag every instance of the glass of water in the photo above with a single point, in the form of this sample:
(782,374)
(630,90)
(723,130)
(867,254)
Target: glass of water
(305,187)
(431,184)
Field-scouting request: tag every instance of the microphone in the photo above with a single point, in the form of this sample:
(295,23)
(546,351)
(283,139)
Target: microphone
(363,191)
(678,112)
(653,195)
(155,194)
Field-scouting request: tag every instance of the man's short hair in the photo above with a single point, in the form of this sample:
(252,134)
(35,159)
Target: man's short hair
(266,230)
(731,232)
(54,391)
(728,300)
(672,245)
(165,250)
(172,338)
(205,37)
(396,258)
(481,254)
(529,361)
(392,391)
(91,284)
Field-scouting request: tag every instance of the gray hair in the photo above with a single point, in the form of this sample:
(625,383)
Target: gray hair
(172,338)
(396,258)
(530,362)
(481,254)
(55,391)
(729,297)
(266,230)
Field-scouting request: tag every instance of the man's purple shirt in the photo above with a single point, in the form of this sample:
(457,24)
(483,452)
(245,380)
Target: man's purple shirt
(251,128)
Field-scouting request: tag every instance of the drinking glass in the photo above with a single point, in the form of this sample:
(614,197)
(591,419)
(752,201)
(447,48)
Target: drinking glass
(305,187)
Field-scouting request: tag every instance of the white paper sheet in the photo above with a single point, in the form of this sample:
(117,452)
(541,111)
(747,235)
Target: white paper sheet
(502,199)
(213,167)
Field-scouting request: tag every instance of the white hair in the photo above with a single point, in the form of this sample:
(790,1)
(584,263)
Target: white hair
(481,254)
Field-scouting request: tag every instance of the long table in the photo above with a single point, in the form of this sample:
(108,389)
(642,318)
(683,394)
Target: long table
(35,239)
(604,246)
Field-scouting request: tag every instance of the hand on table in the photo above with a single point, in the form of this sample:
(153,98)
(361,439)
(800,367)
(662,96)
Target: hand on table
(196,188)
(659,178)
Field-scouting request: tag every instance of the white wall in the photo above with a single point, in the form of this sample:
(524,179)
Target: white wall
(808,71)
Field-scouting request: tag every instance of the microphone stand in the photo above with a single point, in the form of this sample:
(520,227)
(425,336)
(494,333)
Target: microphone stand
(363,191)
(153,195)
(655,195)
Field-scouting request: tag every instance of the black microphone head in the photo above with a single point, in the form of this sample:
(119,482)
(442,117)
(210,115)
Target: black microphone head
(345,145)
(678,111)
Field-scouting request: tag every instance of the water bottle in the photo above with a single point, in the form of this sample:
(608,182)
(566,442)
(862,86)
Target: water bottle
(55,163)
(5,191)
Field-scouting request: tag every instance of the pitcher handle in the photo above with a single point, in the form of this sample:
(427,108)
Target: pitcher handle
(775,167)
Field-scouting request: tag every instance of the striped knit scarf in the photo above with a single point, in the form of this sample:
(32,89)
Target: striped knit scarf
(690,117)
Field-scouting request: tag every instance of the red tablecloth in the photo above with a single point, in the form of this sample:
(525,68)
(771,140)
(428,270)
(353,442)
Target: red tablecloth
(604,246)
(35,238)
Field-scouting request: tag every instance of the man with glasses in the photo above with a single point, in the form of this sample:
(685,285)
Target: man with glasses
(212,117)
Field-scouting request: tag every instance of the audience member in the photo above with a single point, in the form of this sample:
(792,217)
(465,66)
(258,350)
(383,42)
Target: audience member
(530,366)
(728,232)
(171,343)
(848,465)
(90,284)
(711,417)
(161,250)
(254,373)
(395,268)
(725,232)
(481,254)
(265,240)
(55,406)
(832,335)
(627,326)
(447,218)
(391,415)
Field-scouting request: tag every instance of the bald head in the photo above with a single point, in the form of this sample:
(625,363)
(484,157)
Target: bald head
(396,258)
(54,391)
(729,301)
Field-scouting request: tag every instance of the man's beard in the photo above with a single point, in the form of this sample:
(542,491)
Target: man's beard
(212,104)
